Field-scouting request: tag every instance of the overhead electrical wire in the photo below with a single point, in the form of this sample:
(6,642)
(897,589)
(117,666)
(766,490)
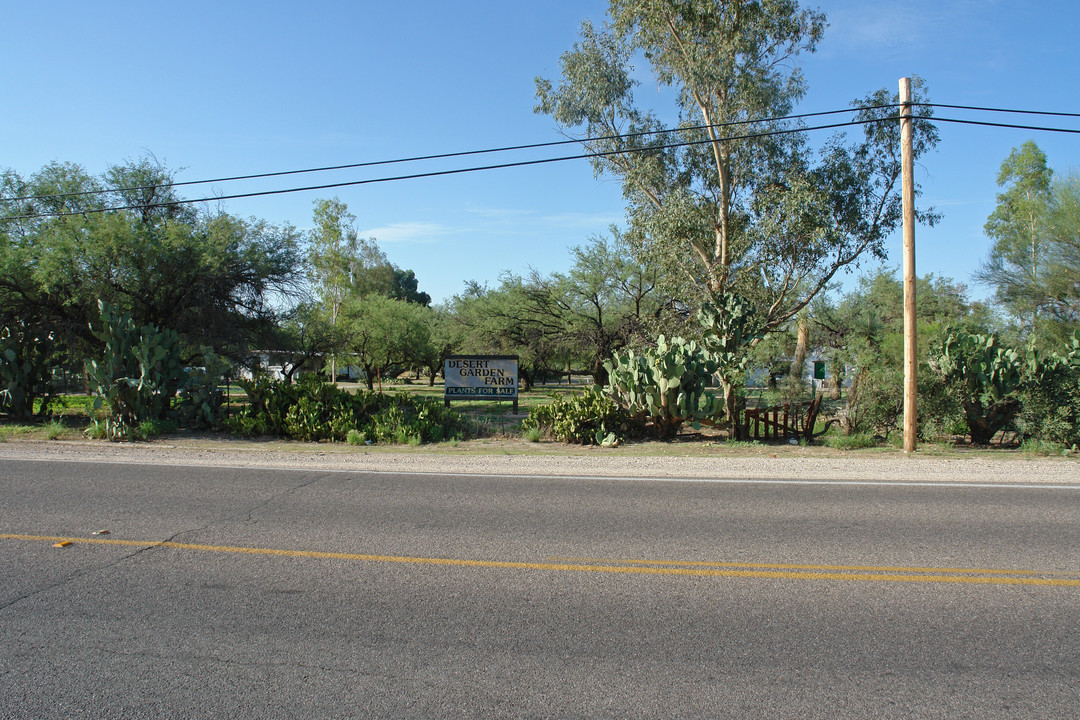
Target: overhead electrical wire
(532,146)
(935,118)
(456,171)
(1011,111)
(542,161)
(444,156)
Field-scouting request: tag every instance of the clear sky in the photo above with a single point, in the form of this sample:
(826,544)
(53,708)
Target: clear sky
(228,87)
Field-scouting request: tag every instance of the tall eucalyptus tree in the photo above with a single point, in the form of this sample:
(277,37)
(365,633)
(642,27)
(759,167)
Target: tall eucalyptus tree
(743,215)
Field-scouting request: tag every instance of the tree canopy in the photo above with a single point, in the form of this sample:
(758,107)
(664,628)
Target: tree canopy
(124,238)
(1032,264)
(733,203)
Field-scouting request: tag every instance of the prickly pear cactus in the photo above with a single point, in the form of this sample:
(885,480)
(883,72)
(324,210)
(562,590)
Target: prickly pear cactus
(201,401)
(24,370)
(730,326)
(665,386)
(138,375)
(987,378)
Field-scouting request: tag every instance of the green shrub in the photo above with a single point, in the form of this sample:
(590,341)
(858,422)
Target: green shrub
(589,418)
(98,429)
(1050,397)
(1035,446)
(312,411)
(941,417)
(201,403)
(875,401)
(54,429)
(152,428)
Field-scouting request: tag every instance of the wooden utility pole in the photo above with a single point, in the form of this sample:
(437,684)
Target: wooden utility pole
(911,343)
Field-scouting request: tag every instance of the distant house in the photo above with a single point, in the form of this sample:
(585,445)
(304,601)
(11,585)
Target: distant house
(276,364)
(816,368)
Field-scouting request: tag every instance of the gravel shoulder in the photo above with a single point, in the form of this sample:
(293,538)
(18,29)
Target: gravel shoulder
(514,457)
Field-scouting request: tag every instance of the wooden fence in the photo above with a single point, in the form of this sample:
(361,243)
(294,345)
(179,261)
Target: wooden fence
(793,420)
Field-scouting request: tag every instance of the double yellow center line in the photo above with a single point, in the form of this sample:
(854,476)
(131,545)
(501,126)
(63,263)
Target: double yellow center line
(857,573)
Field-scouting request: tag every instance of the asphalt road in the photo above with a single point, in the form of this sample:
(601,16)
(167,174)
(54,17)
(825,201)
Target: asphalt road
(292,594)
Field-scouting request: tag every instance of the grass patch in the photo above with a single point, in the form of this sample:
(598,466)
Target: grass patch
(97,430)
(741,445)
(1034,446)
(491,424)
(855,441)
(54,428)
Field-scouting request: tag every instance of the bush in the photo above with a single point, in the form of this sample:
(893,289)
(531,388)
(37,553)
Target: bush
(1050,397)
(941,416)
(591,418)
(312,410)
(54,429)
(202,404)
(875,401)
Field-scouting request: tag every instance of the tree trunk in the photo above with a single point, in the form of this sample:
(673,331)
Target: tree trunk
(984,423)
(738,432)
(837,380)
(599,372)
(801,348)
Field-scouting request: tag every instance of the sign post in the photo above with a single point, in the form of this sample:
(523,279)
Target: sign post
(481,377)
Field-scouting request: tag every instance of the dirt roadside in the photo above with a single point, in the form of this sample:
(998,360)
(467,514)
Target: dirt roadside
(516,457)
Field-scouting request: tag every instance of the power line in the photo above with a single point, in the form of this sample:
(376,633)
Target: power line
(1005,125)
(457,171)
(444,156)
(557,143)
(543,161)
(997,110)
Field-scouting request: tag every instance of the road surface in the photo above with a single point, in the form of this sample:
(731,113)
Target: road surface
(323,594)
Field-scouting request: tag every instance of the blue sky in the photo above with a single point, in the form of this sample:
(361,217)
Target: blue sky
(228,88)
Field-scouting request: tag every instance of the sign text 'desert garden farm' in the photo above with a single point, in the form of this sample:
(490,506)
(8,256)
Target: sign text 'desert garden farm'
(481,377)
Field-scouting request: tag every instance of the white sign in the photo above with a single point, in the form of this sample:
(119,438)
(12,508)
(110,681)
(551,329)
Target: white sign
(474,377)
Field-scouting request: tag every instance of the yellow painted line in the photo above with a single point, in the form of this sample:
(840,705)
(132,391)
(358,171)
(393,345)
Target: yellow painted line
(85,541)
(571,567)
(840,568)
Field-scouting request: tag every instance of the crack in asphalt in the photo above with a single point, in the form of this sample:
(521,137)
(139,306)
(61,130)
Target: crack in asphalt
(76,576)
(247,513)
